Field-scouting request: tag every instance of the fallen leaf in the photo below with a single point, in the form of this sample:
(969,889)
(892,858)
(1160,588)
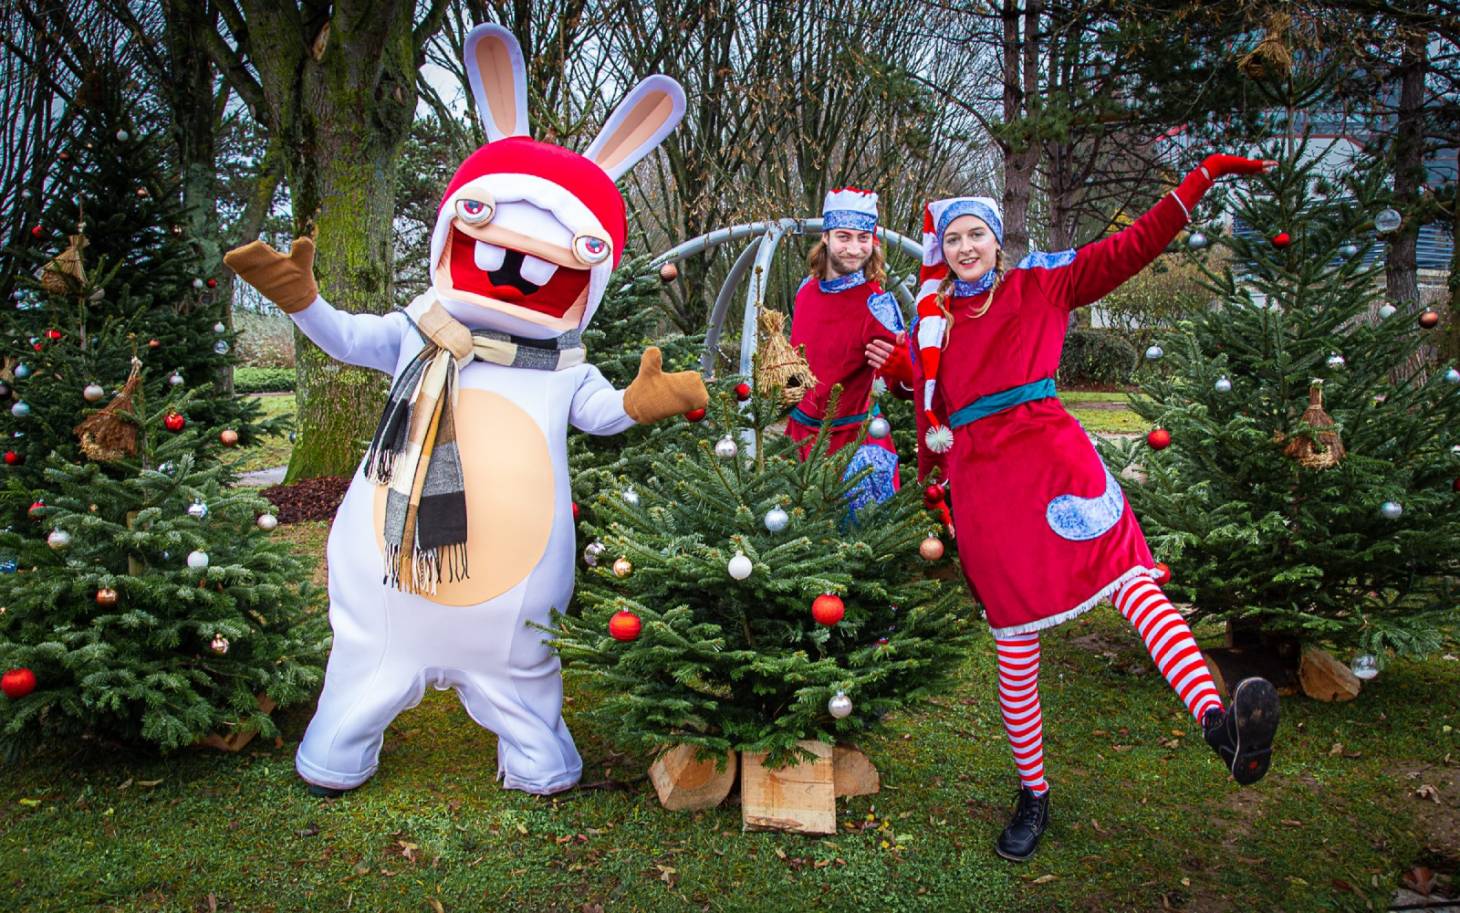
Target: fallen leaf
(150,783)
(212,902)
(780,852)
(435,905)
(1098,829)
(1420,880)
(1044,879)
(309,830)
(1428,792)
(1291,822)
(30,803)
(125,783)
(1336,750)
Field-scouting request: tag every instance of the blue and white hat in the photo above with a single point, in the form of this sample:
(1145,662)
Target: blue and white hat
(849,207)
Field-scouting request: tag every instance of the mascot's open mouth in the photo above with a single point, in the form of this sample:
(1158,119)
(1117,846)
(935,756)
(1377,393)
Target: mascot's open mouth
(511,276)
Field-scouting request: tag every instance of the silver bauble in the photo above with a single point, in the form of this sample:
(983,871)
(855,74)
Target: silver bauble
(1387,221)
(740,566)
(878,428)
(59,539)
(591,553)
(840,706)
(1391,510)
(1387,310)
(267,522)
(198,510)
(92,392)
(1223,384)
(1365,666)
(1154,353)
(777,519)
(197,559)
(725,448)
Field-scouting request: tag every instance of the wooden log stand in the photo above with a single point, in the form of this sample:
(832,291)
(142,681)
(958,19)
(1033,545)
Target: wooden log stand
(800,798)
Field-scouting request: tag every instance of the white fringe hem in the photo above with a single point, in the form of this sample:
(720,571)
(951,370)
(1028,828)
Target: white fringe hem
(1100,596)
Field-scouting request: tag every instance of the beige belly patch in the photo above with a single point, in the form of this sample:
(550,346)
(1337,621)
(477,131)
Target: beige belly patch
(509,498)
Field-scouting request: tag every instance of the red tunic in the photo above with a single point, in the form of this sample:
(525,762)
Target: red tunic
(1033,556)
(835,327)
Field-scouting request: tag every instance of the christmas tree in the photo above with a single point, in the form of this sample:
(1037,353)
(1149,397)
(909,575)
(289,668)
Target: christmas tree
(106,262)
(732,601)
(1303,469)
(139,597)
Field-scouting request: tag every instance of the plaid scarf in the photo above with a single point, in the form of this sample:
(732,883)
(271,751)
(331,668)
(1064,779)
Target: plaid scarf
(414,447)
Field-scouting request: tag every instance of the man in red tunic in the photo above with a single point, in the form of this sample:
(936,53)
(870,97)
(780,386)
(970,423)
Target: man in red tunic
(852,331)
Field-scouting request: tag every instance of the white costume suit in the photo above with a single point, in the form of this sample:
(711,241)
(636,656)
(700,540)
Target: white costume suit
(511,427)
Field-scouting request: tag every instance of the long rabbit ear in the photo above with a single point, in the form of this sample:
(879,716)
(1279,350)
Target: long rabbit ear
(498,77)
(638,125)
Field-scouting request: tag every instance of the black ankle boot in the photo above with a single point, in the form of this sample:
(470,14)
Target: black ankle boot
(1031,816)
(1242,734)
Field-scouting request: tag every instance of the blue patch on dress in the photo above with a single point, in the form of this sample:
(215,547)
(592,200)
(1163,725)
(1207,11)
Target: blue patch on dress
(1046,259)
(877,486)
(1080,519)
(884,307)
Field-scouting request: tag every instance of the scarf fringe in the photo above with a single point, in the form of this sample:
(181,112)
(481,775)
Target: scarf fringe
(427,567)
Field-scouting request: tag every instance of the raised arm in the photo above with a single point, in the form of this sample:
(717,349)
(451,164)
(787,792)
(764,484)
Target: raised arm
(367,340)
(1102,266)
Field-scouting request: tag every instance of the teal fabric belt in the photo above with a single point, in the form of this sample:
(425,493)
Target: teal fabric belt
(985,406)
(843,422)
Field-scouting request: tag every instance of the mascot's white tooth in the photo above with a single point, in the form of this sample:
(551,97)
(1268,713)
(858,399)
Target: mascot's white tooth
(536,271)
(489,256)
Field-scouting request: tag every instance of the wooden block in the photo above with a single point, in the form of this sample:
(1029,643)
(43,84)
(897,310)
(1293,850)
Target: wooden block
(1326,679)
(237,740)
(800,798)
(685,784)
(853,772)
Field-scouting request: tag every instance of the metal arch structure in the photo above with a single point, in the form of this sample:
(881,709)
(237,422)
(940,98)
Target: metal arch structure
(755,258)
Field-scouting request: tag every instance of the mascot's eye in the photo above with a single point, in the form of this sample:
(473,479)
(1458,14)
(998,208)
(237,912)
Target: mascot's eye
(473,212)
(590,249)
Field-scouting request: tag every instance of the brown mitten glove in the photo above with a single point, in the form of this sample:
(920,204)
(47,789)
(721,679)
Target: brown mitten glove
(654,395)
(286,281)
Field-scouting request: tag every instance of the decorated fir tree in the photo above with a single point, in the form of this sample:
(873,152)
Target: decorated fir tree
(107,262)
(1303,467)
(138,599)
(732,601)
(143,601)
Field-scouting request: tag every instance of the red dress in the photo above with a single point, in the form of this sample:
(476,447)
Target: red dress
(835,319)
(1044,531)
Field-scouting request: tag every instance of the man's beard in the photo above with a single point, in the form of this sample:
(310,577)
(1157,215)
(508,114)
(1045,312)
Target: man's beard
(845,267)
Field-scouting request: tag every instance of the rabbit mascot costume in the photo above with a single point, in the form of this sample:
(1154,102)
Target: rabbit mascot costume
(457,530)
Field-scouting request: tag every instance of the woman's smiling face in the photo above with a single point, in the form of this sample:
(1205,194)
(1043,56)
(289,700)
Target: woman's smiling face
(969,247)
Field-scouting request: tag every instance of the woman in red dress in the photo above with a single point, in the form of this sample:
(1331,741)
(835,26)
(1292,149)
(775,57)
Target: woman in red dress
(1044,529)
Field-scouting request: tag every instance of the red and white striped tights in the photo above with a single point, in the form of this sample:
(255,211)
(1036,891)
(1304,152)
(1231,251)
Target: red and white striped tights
(1167,637)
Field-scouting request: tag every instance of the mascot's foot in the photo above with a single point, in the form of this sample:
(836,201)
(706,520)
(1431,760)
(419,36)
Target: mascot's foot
(325,792)
(1031,816)
(1241,735)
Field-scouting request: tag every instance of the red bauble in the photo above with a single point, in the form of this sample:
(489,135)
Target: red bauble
(13,459)
(53,335)
(154,343)
(228,437)
(742,392)
(38,347)
(625,626)
(1429,319)
(1456,484)
(17,683)
(1159,439)
(695,415)
(575,512)
(37,230)
(174,421)
(1282,239)
(1163,573)
(35,509)
(934,494)
(828,609)
(668,272)
(212,283)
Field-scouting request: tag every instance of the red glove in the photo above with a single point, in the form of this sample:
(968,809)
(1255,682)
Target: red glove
(1199,181)
(898,367)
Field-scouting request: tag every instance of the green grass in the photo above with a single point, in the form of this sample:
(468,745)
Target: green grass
(1143,818)
(274,450)
(1103,413)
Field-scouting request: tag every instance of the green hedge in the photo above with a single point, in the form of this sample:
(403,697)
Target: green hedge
(1096,357)
(262,380)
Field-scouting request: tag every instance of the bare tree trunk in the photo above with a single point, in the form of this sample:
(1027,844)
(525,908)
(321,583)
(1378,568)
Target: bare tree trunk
(1021,102)
(337,90)
(1401,268)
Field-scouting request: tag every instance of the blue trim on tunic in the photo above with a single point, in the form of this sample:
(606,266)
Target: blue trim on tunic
(841,283)
(1046,259)
(978,286)
(884,307)
(985,406)
(877,486)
